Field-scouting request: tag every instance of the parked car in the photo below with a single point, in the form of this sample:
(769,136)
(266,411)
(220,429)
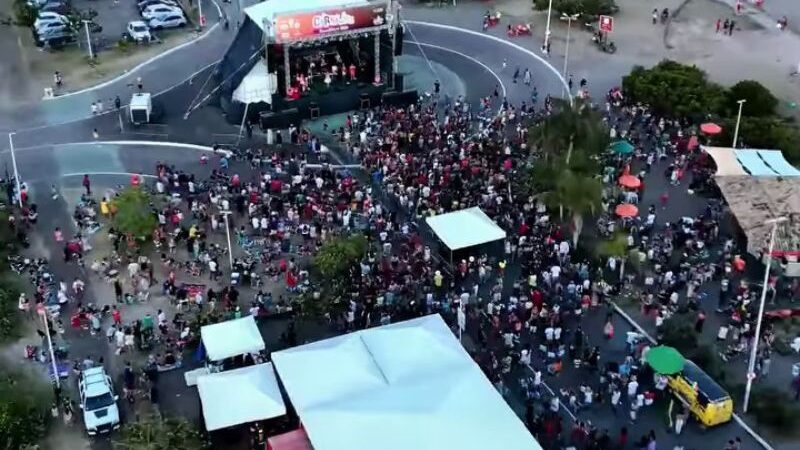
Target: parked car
(55,39)
(145,3)
(52,28)
(168,21)
(98,401)
(45,17)
(139,31)
(56,6)
(159,11)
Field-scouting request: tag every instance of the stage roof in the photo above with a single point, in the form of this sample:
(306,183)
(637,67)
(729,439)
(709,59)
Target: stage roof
(240,396)
(408,385)
(231,338)
(465,228)
(269,9)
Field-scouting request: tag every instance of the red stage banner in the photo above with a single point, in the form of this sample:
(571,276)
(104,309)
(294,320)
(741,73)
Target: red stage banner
(308,25)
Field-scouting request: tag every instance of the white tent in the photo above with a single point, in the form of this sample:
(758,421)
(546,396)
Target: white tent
(465,228)
(232,338)
(257,86)
(240,396)
(408,385)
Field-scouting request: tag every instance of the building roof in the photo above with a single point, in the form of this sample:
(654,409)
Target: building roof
(465,228)
(755,162)
(240,396)
(405,385)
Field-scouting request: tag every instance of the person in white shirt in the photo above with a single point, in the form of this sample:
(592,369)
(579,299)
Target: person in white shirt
(633,386)
(548,333)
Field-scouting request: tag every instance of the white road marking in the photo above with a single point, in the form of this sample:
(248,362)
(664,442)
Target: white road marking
(476,61)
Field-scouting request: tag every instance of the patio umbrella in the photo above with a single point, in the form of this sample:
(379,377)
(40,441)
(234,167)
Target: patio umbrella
(622,147)
(665,360)
(630,181)
(627,210)
(710,128)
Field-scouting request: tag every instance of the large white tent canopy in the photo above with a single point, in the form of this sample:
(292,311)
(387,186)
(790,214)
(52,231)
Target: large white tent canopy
(465,228)
(240,396)
(408,385)
(754,162)
(232,338)
(257,86)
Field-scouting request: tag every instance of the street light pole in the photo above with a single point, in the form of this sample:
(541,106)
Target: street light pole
(200,13)
(42,311)
(225,215)
(14,166)
(754,350)
(569,20)
(738,120)
(547,28)
(88,38)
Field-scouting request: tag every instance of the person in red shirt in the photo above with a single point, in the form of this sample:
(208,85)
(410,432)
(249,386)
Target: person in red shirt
(116,315)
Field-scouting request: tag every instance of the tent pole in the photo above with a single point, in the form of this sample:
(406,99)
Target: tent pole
(244,120)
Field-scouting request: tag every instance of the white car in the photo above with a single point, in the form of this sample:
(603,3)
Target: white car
(153,11)
(48,17)
(98,401)
(52,28)
(168,21)
(139,31)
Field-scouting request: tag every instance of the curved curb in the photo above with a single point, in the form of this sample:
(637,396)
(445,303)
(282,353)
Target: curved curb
(180,145)
(467,57)
(502,41)
(145,63)
(668,27)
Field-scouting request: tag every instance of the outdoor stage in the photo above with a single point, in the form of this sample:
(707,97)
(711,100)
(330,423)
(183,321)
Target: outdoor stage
(292,61)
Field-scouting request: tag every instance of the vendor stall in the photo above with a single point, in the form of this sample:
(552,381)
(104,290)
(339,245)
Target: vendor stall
(231,338)
(465,228)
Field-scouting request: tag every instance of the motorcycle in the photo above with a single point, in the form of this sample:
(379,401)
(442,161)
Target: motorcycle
(520,29)
(603,44)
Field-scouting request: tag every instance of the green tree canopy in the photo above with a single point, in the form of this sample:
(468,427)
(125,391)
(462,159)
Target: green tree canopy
(336,256)
(159,434)
(589,8)
(674,89)
(134,213)
(580,195)
(24,408)
(759,100)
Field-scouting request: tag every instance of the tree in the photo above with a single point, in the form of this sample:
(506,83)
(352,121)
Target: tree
(617,247)
(674,89)
(24,13)
(152,433)
(590,8)
(678,332)
(574,129)
(335,258)
(24,408)
(760,101)
(580,195)
(134,213)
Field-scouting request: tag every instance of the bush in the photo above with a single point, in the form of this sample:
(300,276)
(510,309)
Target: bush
(134,214)
(589,8)
(674,89)
(159,434)
(24,409)
(760,101)
(678,332)
(24,13)
(770,407)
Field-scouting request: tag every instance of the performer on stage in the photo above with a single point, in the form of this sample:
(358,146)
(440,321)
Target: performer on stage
(352,72)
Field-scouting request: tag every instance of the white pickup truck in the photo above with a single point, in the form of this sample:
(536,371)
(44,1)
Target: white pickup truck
(98,401)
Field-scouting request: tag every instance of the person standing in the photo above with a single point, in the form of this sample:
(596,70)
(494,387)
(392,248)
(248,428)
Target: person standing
(718,25)
(701,319)
(526,78)
(680,420)
(731,27)
(87,184)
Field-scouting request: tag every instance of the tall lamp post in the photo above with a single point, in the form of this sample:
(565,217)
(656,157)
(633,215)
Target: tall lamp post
(14,166)
(42,312)
(547,28)
(738,120)
(225,215)
(88,38)
(754,348)
(569,20)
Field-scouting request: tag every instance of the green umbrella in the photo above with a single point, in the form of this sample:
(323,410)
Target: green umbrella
(622,147)
(665,360)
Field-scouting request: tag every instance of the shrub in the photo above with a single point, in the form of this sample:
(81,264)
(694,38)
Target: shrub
(589,8)
(760,101)
(24,407)
(674,89)
(24,13)
(678,331)
(770,407)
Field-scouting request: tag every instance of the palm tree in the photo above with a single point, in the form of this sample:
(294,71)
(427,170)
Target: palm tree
(575,127)
(580,195)
(617,247)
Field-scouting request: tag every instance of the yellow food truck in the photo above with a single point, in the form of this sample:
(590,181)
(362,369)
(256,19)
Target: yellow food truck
(706,399)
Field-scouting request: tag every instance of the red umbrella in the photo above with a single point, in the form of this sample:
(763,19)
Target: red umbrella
(710,128)
(630,181)
(627,210)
